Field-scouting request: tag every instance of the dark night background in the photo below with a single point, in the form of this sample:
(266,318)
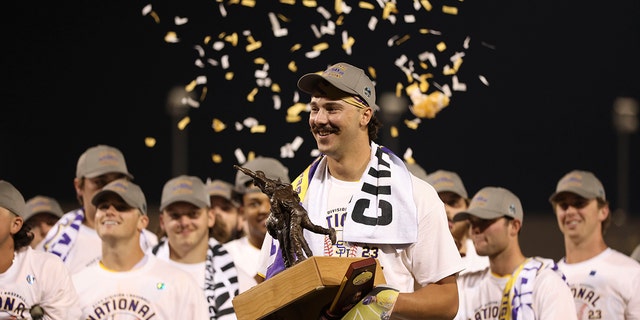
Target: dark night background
(84,73)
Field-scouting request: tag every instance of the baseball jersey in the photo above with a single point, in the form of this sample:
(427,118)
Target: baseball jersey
(245,257)
(432,257)
(154,290)
(217,276)
(542,294)
(605,286)
(37,278)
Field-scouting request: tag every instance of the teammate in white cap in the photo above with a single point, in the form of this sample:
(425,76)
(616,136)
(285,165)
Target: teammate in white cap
(604,282)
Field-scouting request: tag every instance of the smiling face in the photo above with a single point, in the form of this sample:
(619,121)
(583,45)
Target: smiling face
(116,220)
(579,218)
(187,226)
(256,208)
(337,126)
(87,188)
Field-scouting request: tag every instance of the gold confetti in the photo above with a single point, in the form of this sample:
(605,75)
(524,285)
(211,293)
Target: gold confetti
(389,8)
(218,125)
(426,4)
(203,94)
(232,38)
(191,86)
(253,46)
(424,84)
(321,46)
(283,18)
(293,113)
(410,160)
(207,39)
(349,43)
(399,87)
(275,87)
(261,128)
(457,64)
(171,37)
(428,106)
(372,72)
(309,3)
(184,122)
(150,142)
(292,66)
(290,2)
(441,46)
(252,94)
(293,119)
(259,60)
(248,3)
(295,47)
(423,31)
(228,75)
(216,158)
(365,5)
(394,132)
(412,88)
(411,124)
(155,17)
(402,40)
(450,10)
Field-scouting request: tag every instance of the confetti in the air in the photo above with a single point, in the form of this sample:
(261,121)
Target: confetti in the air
(247,56)
(150,142)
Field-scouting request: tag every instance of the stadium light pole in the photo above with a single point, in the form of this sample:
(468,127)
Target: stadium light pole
(177,108)
(625,120)
(391,108)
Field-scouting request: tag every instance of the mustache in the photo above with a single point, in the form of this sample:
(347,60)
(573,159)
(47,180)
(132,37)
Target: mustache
(325,129)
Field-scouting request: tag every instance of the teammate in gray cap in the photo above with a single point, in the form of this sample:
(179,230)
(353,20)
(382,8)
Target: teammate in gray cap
(33,284)
(187,218)
(513,286)
(605,282)
(73,237)
(128,283)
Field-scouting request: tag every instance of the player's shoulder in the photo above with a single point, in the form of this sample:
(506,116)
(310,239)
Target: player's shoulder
(42,256)
(617,258)
(475,278)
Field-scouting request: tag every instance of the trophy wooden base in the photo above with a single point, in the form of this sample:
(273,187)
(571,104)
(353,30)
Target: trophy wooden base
(299,292)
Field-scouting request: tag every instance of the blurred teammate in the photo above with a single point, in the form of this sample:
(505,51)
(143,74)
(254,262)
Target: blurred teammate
(42,214)
(604,282)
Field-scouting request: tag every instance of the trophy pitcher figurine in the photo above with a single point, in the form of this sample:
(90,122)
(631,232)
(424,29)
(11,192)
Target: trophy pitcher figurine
(288,218)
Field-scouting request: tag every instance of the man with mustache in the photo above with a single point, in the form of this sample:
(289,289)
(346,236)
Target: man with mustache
(367,194)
